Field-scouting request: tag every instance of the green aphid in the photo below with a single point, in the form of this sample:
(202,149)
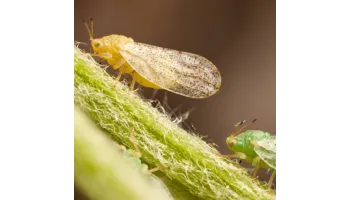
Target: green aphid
(254,146)
(133,157)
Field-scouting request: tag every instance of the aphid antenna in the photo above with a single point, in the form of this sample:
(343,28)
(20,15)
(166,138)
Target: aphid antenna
(242,128)
(237,125)
(88,29)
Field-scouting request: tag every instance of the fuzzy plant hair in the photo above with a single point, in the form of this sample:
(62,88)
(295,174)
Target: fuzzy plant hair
(192,168)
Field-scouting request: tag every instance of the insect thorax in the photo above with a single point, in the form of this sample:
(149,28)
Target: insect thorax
(255,135)
(116,42)
(242,142)
(109,46)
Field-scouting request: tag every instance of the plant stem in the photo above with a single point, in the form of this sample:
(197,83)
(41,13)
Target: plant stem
(187,158)
(102,172)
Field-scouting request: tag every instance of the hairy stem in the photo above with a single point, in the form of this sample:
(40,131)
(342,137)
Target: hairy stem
(189,162)
(102,172)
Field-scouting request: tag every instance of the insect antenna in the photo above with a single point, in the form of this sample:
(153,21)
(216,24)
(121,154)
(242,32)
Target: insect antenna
(244,127)
(87,27)
(92,27)
(237,125)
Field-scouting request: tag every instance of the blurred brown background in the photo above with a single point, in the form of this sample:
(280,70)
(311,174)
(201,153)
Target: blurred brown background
(238,36)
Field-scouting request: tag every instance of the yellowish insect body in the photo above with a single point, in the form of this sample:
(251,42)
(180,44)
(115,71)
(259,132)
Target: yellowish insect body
(180,72)
(109,47)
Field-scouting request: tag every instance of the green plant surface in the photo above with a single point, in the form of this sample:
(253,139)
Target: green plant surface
(102,172)
(187,158)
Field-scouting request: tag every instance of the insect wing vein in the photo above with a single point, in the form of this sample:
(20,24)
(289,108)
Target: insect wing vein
(266,149)
(179,72)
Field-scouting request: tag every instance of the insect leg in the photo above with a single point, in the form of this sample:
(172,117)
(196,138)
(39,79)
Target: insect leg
(133,140)
(272,177)
(256,171)
(239,155)
(256,162)
(120,73)
(226,156)
(105,56)
(156,169)
(133,81)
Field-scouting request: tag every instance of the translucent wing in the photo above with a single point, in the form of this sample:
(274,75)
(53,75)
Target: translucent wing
(266,149)
(179,72)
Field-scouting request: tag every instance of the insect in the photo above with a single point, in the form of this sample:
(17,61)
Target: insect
(155,67)
(254,146)
(133,157)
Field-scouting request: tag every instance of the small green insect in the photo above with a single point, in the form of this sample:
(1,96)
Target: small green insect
(254,146)
(133,157)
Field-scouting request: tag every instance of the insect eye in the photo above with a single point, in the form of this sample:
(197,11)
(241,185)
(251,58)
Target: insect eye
(233,142)
(97,45)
